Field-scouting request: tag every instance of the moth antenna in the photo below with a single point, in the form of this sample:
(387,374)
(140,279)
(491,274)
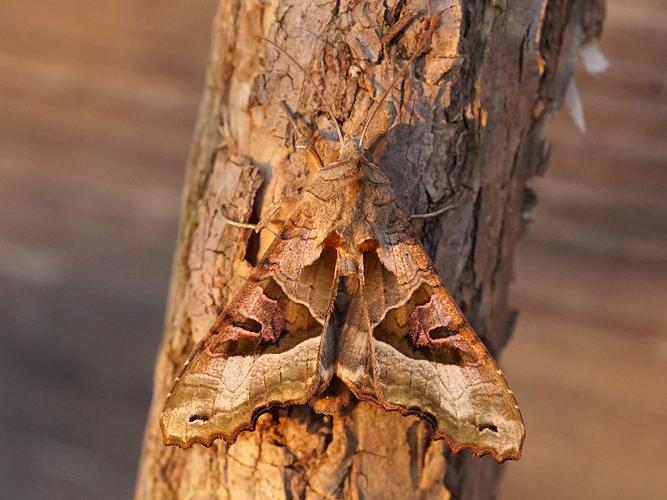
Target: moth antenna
(312,82)
(291,119)
(420,46)
(234,223)
(435,213)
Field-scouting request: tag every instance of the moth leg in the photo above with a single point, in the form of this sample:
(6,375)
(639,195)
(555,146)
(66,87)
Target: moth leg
(266,221)
(244,225)
(314,160)
(435,213)
(262,224)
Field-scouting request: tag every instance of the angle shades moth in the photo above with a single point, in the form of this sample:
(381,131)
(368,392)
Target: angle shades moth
(402,342)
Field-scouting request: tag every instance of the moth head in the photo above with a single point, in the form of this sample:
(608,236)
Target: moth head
(350,149)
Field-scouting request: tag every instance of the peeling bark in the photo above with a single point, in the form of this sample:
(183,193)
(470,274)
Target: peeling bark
(462,128)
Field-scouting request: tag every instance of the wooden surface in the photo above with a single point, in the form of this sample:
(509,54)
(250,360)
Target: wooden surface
(589,357)
(97,103)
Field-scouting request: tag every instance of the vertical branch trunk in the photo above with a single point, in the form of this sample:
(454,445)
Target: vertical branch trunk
(463,127)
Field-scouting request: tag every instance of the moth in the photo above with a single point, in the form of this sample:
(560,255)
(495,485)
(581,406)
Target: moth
(401,341)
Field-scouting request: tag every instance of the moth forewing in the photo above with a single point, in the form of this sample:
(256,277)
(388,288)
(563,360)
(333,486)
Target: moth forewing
(269,347)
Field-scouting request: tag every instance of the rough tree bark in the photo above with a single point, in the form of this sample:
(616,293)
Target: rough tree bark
(463,127)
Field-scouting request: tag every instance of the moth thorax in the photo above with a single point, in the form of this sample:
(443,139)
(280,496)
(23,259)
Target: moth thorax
(351,150)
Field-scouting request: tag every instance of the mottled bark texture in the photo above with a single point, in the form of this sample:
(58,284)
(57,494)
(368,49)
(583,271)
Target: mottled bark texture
(462,128)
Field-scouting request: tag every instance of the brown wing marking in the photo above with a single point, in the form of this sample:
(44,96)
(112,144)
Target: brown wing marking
(269,346)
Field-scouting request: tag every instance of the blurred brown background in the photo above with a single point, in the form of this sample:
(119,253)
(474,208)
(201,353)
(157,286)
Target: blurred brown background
(97,104)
